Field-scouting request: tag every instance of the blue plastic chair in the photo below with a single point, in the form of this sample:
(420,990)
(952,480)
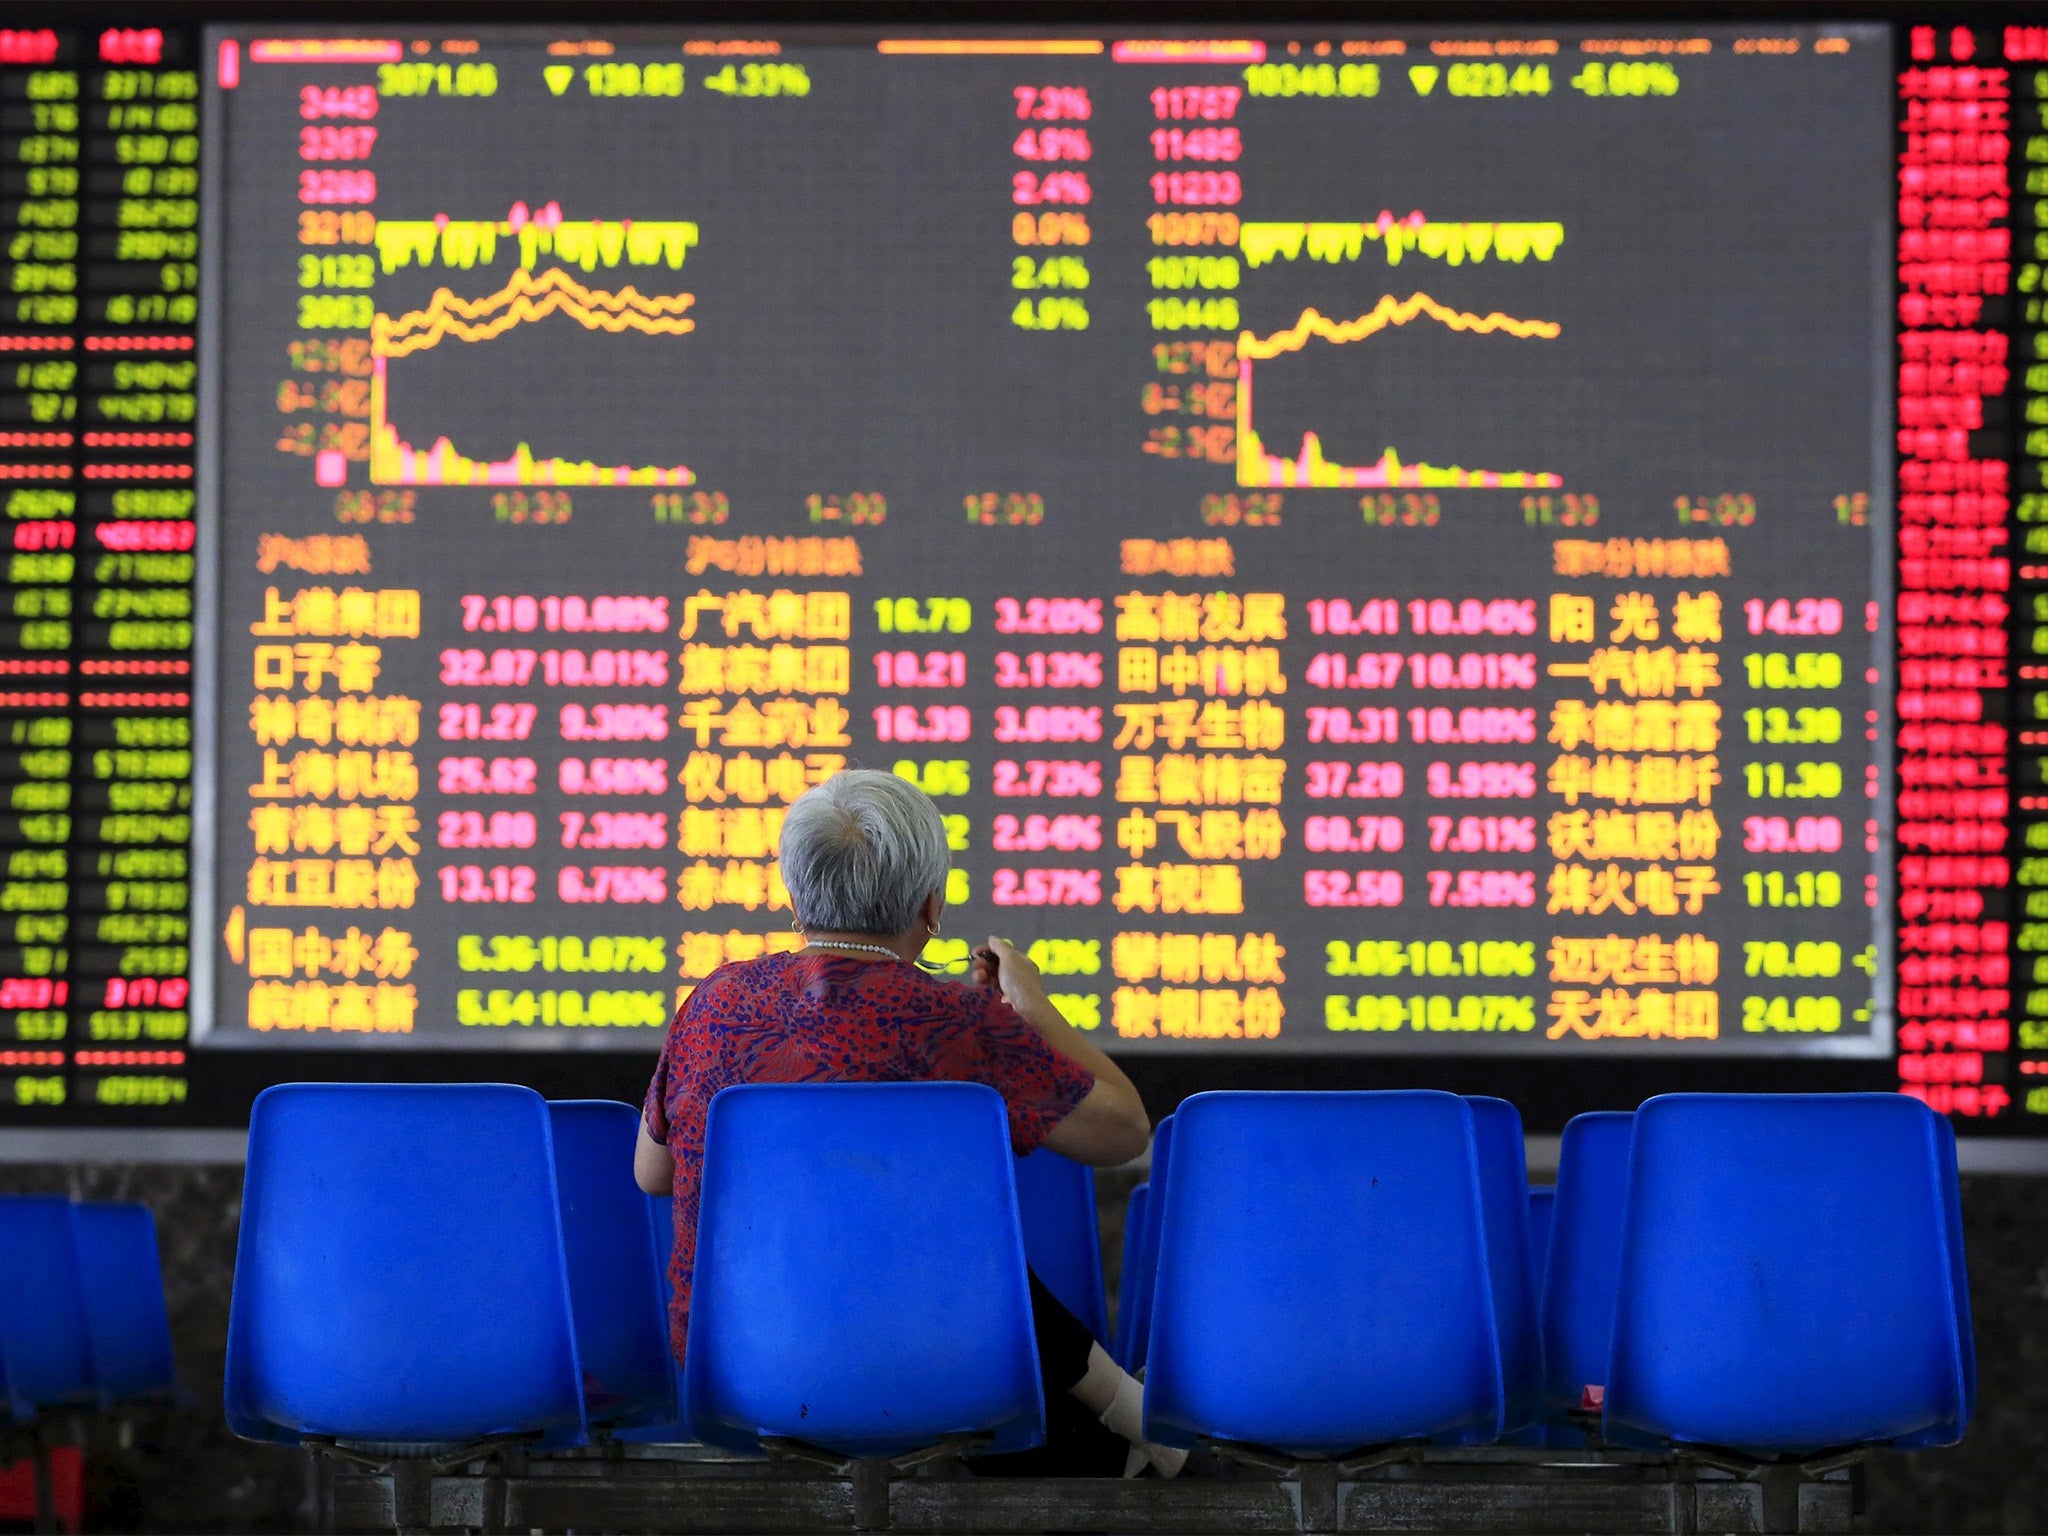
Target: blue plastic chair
(1585,1259)
(860,1282)
(1542,1205)
(400,1278)
(45,1340)
(1787,1275)
(1504,1189)
(661,1212)
(1130,1276)
(1135,1328)
(1323,1275)
(1062,1238)
(608,1237)
(125,1315)
(1959,1270)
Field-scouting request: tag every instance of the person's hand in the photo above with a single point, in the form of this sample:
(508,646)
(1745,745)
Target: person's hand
(1011,970)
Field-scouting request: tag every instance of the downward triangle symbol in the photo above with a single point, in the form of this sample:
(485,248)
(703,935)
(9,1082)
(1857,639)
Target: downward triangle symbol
(558,76)
(1421,76)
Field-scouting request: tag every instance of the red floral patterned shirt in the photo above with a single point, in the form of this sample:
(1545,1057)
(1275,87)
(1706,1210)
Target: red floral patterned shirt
(812,1018)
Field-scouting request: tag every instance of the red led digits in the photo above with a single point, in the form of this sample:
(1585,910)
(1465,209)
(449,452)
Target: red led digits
(1352,834)
(1048,723)
(1954,250)
(614,829)
(1036,834)
(1347,888)
(1049,616)
(1055,778)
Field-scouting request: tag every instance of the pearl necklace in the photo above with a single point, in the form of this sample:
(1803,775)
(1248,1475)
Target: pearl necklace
(872,949)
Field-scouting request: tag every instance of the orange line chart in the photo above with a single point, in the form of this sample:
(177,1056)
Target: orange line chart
(1256,467)
(525,299)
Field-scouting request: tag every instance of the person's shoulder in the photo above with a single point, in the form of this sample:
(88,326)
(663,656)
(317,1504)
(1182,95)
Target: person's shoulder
(941,1000)
(738,979)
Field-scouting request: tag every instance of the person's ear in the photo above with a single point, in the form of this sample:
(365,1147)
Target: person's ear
(933,909)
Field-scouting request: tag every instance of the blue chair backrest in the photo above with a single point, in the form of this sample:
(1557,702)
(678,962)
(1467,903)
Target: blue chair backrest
(1139,1289)
(125,1314)
(1504,1191)
(1323,1275)
(1542,1204)
(45,1342)
(1959,1270)
(1787,1275)
(400,1276)
(1132,1275)
(1585,1256)
(661,1211)
(608,1236)
(860,1282)
(1062,1238)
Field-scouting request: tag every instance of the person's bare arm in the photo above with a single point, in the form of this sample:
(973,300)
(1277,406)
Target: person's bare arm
(654,1168)
(1109,1125)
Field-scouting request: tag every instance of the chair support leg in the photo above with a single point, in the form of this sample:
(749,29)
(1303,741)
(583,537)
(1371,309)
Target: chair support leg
(870,1493)
(1318,1483)
(1781,1499)
(412,1496)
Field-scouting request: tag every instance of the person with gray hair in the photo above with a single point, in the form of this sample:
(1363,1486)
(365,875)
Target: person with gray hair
(864,859)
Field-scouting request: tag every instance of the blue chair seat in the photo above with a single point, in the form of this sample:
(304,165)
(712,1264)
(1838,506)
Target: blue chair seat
(1584,1261)
(1323,1281)
(46,1352)
(125,1314)
(1133,1276)
(400,1278)
(860,1282)
(1136,1335)
(1062,1238)
(1788,1276)
(1504,1190)
(608,1235)
(661,1210)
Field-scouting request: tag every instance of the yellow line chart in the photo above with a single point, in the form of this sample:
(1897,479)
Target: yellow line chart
(524,299)
(1257,467)
(1389,311)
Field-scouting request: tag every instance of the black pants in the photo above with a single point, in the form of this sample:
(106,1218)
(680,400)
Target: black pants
(1076,1442)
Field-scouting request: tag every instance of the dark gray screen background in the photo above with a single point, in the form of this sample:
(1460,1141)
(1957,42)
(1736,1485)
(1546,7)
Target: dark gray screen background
(1723,295)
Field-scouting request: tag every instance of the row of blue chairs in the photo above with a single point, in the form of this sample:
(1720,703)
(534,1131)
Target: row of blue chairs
(1773,1274)
(426,1269)
(85,1326)
(530,1297)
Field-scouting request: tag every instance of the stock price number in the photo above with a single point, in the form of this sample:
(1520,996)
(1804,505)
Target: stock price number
(1794,727)
(1476,1014)
(1776,958)
(606,954)
(1434,957)
(1806,888)
(1791,1015)
(923,616)
(502,1006)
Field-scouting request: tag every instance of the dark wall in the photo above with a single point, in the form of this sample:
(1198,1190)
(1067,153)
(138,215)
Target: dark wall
(187,1473)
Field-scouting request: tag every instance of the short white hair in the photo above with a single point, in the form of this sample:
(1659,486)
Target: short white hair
(861,852)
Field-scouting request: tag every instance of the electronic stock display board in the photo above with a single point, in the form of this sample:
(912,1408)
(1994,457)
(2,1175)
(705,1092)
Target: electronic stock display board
(1484,555)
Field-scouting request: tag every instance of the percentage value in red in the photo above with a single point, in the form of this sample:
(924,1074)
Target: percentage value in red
(1055,778)
(1046,888)
(1036,834)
